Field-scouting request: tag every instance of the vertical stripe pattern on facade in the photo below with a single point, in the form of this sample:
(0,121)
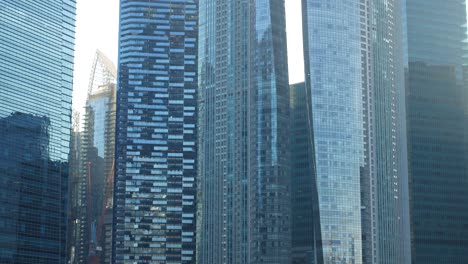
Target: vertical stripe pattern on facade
(244,161)
(36,72)
(355,84)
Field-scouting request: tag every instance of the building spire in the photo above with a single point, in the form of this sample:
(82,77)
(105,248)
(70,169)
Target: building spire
(103,72)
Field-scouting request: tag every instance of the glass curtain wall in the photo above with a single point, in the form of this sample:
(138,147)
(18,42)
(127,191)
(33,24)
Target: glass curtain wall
(437,118)
(36,72)
(244,177)
(355,89)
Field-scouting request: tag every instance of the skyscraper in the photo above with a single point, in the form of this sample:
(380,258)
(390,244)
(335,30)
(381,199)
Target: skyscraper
(355,90)
(303,189)
(437,118)
(156,137)
(387,97)
(92,204)
(244,172)
(36,64)
(97,167)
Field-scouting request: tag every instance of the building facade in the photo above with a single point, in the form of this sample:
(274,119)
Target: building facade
(97,159)
(36,68)
(355,90)
(97,169)
(436,99)
(244,161)
(76,208)
(303,188)
(156,137)
(92,169)
(388,123)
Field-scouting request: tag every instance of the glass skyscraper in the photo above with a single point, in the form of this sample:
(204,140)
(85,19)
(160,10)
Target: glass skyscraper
(156,137)
(437,125)
(36,68)
(92,169)
(244,161)
(97,168)
(355,90)
(303,188)
(388,123)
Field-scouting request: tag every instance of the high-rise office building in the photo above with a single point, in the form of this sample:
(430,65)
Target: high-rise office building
(355,89)
(437,118)
(387,97)
(92,169)
(244,161)
(97,168)
(156,137)
(36,65)
(303,189)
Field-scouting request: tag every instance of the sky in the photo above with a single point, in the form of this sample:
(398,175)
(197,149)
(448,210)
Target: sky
(97,23)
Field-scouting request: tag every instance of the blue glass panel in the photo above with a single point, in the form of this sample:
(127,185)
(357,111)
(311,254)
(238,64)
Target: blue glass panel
(36,64)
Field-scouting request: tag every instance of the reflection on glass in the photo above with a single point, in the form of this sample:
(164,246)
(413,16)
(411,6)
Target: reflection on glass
(36,61)
(244,133)
(437,119)
(355,89)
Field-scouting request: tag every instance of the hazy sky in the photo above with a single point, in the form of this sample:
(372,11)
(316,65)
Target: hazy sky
(97,23)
